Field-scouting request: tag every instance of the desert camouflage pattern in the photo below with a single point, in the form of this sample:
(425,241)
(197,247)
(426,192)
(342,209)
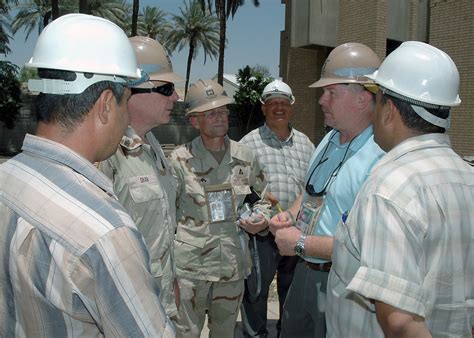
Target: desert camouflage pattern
(204,250)
(146,188)
(197,297)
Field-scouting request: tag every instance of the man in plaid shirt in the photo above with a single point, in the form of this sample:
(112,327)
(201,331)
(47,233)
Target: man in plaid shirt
(283,153)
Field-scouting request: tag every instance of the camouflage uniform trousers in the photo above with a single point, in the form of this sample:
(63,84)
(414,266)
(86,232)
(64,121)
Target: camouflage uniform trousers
(221,300)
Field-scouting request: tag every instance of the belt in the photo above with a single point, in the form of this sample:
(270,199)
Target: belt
(325,267)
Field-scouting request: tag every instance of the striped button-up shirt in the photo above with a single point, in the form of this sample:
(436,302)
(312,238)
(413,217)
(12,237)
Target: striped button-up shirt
(284,162)
(72,262)
(407,242)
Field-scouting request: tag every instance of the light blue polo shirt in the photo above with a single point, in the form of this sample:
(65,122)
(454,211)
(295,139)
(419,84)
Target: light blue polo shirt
(345,182)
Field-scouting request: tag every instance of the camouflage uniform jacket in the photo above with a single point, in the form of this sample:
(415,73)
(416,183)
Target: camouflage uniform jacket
(205,250)
(146,188)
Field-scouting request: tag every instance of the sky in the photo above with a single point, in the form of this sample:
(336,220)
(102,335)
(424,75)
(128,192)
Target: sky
(253,37)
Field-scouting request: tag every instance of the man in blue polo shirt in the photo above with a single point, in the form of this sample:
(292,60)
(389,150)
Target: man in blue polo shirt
(337,169)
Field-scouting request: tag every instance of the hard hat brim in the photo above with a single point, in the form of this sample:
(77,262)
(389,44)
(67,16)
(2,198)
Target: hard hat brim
(332,81)
(211,105)
(167,77)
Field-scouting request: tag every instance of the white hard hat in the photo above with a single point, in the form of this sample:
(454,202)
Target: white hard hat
(277,88)
(83,44)
(154,60)
(205,95)
(422,75)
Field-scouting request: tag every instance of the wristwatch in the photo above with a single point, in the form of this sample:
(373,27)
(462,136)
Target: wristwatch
(299,248)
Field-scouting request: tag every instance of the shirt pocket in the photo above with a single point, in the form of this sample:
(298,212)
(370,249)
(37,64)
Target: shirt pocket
(146,191)
(156,269)
(189,246)
(194,190)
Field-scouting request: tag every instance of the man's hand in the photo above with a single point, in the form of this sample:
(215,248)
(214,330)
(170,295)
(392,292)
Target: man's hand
(286,239)
(280,221)
(254,224)
(271,198)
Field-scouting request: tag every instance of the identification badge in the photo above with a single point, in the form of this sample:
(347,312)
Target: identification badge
(220,203)
(309,215)
(217,211)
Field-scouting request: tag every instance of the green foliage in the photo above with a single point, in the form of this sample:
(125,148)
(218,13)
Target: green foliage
(152,23)
(5,27)
(195,29)
(252,81)
(10,100)
(117,11)
(28,73)
(36,14)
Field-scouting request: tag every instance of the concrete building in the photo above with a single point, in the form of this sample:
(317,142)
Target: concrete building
(314,27)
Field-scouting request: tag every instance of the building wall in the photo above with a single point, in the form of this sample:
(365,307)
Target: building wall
(364,22)
(452,30)
(447,24)
(304,68)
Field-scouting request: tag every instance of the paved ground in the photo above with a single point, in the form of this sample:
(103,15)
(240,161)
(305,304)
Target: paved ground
(272,315)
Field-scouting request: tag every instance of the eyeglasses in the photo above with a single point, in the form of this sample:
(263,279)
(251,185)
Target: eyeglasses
(310,188)
(212,114)
(166,90)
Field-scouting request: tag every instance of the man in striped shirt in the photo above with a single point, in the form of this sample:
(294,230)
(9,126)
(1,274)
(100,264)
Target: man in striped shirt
(402,259)
(72,262)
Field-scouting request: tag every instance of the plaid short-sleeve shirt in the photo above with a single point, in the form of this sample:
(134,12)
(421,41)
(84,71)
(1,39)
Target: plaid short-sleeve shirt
(407,242)
(72,262)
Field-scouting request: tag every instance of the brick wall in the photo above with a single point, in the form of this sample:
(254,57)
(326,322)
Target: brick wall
(363,22)
(304,68)
(452,30)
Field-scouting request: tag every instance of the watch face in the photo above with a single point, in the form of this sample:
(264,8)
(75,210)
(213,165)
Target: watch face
(299,248)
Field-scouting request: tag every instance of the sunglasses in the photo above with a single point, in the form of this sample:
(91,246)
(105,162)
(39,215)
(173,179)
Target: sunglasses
(310,188)
(166,90)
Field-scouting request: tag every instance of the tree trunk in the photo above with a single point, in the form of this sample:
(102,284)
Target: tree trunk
(83,6)
(188,67)
(222,24)
(55,9)
(136,6)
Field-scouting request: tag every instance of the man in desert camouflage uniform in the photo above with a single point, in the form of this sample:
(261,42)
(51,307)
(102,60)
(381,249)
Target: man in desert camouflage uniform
(139,170)
(214,176)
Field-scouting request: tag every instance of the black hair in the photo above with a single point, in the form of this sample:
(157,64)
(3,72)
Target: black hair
(412,120)
(70,109)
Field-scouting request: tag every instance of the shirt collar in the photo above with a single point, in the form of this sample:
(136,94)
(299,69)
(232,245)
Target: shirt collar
(60,153)
(425,141)
(269,133)
(356,143)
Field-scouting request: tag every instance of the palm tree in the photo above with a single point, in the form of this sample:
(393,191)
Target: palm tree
(38,13)
(136,6)
(116,11)
(5,28)
(224,9)
(196,29)
(152,23)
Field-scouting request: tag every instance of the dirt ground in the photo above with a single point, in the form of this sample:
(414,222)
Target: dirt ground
(272,294)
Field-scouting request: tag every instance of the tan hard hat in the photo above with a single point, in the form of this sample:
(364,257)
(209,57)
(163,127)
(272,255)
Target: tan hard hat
(348,63)
(153,59)
(205,95)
